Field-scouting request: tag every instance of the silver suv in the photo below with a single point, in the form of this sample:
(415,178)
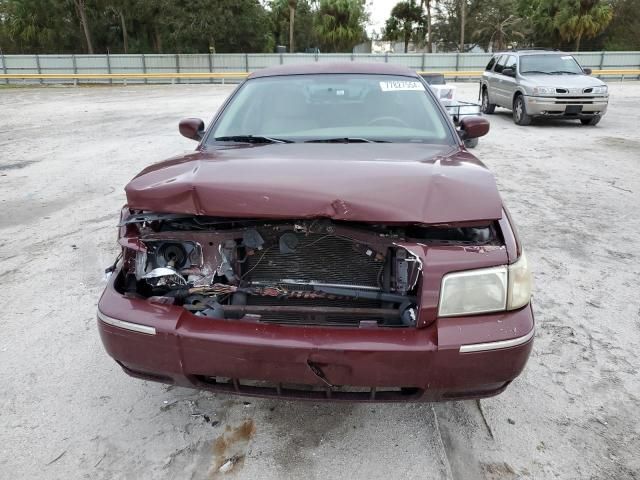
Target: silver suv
(535,83)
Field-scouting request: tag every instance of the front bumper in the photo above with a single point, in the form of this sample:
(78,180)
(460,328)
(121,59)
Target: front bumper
(464,357)
(557,106)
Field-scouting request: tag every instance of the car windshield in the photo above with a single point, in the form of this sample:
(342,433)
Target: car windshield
(549,64)
(332,108)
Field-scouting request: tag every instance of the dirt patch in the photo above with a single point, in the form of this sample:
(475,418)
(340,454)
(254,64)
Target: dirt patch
(230,448)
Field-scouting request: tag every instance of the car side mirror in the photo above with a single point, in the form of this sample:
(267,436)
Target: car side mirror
(473,127)
(509,72)
(192,128)
(587,71)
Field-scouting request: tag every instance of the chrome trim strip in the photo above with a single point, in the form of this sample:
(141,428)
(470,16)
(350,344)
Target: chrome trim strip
(135,327)
(482,347)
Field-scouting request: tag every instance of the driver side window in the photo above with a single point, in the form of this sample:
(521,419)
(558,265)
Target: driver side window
(511,63)
(500,65)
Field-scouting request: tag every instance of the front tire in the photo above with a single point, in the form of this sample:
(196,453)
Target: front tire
(593,121)
(520,116)
(487,107)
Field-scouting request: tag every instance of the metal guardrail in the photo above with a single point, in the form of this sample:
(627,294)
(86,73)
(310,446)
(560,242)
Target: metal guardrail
(240,75)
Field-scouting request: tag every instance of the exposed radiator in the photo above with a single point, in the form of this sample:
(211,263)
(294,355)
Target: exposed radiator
(317,257)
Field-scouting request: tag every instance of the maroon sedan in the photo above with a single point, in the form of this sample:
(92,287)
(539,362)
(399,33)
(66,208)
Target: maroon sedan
(330,238)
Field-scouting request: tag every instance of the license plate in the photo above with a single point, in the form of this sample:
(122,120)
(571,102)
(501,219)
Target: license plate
(573,109)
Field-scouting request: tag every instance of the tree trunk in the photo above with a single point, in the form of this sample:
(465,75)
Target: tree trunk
(157,38)
(462,21)
(578,38)
(407,36)
(85,25)
(292,16)
(429,39)
(125,35)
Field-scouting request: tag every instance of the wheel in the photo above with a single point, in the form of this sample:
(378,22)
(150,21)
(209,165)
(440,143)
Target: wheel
(591,121)
(487,107)
(471,143)
(520,116)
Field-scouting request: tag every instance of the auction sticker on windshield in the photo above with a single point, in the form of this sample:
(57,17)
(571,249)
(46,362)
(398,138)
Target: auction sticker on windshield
(400,85)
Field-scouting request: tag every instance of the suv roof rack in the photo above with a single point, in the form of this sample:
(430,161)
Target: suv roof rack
(532,49)
(536,49)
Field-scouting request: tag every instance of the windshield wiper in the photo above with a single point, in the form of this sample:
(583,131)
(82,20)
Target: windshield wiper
(345,140)
(251,139)
(535,71)
(564,71)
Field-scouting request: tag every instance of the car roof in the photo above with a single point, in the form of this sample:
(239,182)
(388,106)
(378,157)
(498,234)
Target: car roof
(335,68)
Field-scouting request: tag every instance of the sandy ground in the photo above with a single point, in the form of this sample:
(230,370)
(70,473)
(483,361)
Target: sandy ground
(67,411)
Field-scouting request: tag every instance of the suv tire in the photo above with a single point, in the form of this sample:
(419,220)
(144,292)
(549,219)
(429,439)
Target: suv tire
(487,107)
(591,121)
(520,116)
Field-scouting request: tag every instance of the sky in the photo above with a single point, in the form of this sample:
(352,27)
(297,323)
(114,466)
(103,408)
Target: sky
(379,10)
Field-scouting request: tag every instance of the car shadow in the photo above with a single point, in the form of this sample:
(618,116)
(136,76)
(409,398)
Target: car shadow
(538,122)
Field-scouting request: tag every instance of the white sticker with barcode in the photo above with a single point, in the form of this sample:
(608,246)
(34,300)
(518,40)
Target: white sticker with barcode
(400,85)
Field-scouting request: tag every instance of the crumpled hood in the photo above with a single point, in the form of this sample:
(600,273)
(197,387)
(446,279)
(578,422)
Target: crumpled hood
(563,81)
(386,183)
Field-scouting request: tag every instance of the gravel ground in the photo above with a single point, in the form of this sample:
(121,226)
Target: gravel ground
(67,411)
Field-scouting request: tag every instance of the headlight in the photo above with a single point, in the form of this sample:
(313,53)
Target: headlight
(601,89)
(486,290)
(519,283)
(473,291)
(543,90)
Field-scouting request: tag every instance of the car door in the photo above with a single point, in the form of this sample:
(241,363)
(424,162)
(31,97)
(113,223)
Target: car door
(508,84)
(495,94)
(488,74)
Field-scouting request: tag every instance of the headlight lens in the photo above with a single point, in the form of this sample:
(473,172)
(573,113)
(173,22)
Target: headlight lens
(520,283)
(601,89)
(543,90)
(473,291)
(486,290)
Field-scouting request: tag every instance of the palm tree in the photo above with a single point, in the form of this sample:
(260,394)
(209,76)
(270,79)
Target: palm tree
(427,18)
(293,4)
(82,13)
(462,22)
(497,25)
(581,18)
(340,24)
(405,17)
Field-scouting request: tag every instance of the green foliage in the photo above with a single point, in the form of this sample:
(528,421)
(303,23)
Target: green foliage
(55,26)
(623,31)
(448,22)
(564,23)
(39,25)
(183,26)
(581,18)
(339,24)
(499,25)
(403,24)
(279,12)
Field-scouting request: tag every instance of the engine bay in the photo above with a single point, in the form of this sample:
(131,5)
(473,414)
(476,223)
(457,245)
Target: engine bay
(305,272)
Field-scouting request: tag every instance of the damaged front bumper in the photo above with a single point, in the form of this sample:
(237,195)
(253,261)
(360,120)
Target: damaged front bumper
(452,358)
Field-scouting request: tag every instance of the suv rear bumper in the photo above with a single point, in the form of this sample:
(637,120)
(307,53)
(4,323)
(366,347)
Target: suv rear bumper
(465,357)
(556,106)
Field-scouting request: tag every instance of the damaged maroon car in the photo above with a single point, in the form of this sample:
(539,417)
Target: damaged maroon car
(330,238)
